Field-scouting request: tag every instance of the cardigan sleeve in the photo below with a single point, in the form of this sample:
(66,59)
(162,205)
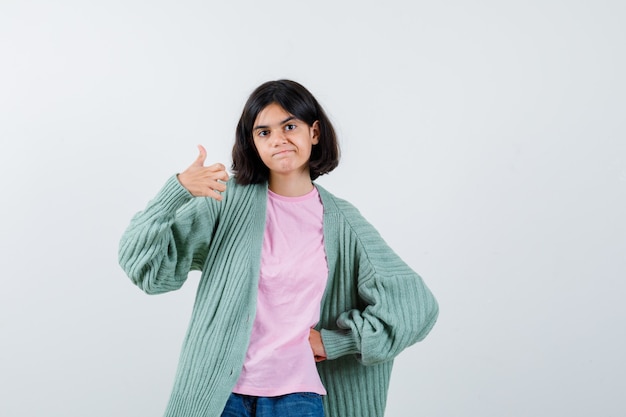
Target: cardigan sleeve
(166,240)
(396,307)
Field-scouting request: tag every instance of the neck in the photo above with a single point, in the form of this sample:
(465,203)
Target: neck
(289,186)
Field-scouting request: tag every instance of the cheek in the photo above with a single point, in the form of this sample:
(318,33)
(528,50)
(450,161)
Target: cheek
(256,147)
(262,153)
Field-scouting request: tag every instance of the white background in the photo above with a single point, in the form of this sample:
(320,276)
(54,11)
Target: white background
(484,139)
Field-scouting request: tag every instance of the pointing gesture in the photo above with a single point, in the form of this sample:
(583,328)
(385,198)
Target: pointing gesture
(203,181)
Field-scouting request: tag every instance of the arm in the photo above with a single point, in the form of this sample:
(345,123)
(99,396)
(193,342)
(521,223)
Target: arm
(161,244)
(170,237)
(397,310)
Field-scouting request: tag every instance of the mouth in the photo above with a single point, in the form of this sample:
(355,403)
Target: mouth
(283,152)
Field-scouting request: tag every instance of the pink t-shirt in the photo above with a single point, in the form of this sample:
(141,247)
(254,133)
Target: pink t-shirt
(291,285)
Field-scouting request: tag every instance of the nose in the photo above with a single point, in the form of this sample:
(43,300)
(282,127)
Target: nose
(279,137)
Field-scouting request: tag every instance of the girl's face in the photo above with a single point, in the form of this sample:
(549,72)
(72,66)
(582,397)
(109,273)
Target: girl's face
(284,142)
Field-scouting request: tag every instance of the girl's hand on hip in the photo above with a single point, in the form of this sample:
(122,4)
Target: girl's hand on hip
(203,181)
(315,339)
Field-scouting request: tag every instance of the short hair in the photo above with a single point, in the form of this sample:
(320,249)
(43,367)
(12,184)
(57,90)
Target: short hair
(297,101)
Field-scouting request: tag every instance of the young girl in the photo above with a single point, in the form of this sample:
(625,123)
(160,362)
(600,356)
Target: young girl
(301,306)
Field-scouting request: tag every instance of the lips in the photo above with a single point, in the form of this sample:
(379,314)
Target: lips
(283,152)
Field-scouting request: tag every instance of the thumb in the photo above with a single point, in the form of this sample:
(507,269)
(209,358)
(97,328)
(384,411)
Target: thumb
(201,157)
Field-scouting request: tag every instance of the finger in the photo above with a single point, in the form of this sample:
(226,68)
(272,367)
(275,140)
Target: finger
(219,171)
(214,194)
(201,157)
(220,186)
(223,176)
(216,167)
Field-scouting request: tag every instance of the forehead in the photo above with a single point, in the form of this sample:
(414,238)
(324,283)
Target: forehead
(272,114)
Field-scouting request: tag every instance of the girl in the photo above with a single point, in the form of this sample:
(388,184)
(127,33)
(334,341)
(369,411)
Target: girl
(301,306)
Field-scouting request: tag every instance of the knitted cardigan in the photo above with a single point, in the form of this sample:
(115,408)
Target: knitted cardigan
(373,307)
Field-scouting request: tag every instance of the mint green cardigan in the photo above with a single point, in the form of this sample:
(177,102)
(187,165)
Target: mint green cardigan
(374,305)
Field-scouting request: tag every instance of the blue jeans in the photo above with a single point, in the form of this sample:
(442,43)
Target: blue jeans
(301,404)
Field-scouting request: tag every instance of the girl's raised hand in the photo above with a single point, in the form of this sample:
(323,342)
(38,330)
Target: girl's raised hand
(203,181)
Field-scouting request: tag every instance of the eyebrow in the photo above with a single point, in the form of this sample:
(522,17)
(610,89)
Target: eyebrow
(281,123)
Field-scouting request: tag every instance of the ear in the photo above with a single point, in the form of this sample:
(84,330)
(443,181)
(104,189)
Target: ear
(315,132)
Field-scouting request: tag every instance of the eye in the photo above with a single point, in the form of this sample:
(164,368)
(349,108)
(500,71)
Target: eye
(290,126)
(263,133)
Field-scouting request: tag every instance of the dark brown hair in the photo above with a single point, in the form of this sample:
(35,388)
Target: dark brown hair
(297,101)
